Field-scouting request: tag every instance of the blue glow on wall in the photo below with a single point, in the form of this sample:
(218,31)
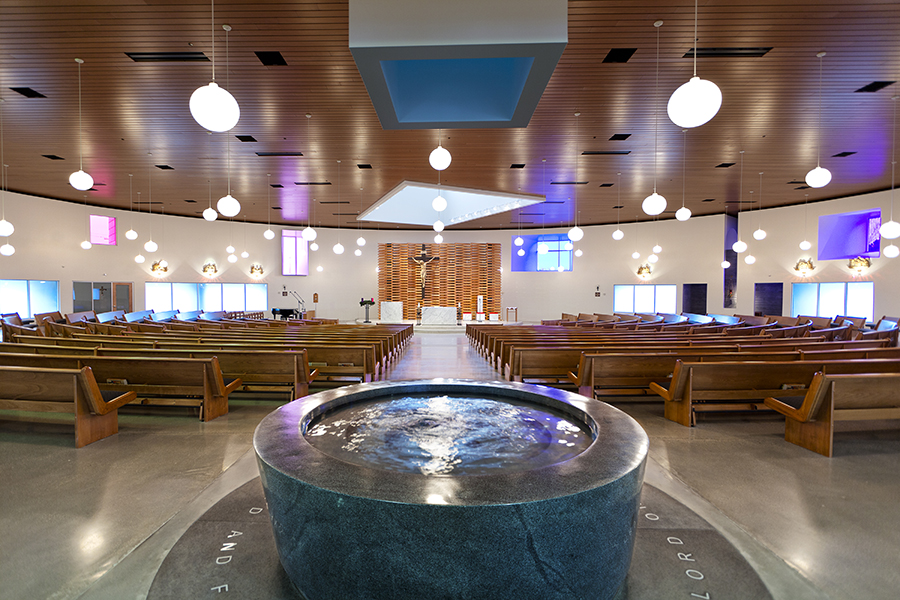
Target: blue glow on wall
(557,257)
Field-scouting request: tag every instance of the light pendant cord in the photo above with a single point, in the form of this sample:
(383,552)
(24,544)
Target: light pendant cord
(269,200)
(131,197)
(683,163)
(80,132)
(695,38)
(618,200)
(656,112)
(759,203)
(893,151)
(821,55)
(577,114)
(741,191)
(212,35)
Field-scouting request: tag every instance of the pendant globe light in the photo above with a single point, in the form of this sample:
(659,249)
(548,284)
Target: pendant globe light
(891,229)
(438,239)
(80,180)
(805,244)
(576,233)
(655,203)
(131,234)
(740,245)
(6,228)
(725,264)
(213,107)
(228,205)
(683,213)
(760,233)
(440,158)
(360,241)
(268,233)
(698,100)
(210,213)
(820,176)
(309,234)
(618,234)
(150,245)
(86,244)
(339,248)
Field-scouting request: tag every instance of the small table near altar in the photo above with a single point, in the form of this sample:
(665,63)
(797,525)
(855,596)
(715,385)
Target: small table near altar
(438,315)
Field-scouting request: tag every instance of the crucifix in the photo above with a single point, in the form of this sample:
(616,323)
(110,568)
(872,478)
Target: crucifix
(423,260)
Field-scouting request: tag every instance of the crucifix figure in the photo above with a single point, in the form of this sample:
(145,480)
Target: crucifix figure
(422,260)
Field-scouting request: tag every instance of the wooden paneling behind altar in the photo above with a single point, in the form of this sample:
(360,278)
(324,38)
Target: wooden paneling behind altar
(454,274)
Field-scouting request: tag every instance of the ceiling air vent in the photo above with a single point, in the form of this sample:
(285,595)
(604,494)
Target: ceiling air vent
(607,184)
(724,165)
(28,92)
(842,154)
(271,59)
(568,183)
(619,55)
(279,154)
(517,166)
(165,167)
(710,200)
(874,86)
(617,137)
(605,152)
(727,52)
(52,157)
(336,202)
(246,138)
(276,185)
(191,201)
(167,56)
(617,207)
(363,166)
(312,183)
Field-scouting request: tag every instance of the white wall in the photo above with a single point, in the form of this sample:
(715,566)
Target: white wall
(48,234)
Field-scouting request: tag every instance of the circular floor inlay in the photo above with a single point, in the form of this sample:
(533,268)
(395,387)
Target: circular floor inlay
(230,552)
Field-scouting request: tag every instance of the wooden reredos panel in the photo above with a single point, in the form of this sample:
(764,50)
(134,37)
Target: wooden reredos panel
(461,274)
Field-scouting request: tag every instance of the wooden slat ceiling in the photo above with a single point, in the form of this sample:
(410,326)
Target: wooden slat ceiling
(135,115)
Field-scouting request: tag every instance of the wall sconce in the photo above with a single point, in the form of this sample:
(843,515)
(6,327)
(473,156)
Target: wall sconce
(159,268)
(256,271)
(859,264)
(805,267)
(210,269)
(644,271)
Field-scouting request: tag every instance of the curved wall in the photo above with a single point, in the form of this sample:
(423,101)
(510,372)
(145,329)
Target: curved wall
(48,234)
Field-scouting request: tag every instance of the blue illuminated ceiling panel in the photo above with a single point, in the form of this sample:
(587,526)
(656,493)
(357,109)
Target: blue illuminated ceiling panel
(486,65)
(456,89)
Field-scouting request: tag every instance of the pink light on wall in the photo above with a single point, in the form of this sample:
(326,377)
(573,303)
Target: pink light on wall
(103,230)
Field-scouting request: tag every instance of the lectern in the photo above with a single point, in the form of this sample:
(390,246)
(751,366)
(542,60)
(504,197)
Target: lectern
(367,304)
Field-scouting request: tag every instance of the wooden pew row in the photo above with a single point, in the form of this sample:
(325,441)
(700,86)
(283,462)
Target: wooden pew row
(258,370)
(809,423)
(392,338)
(335,364)
(165,381)
(370,367)
(73,391)
(509,365)
(728,386)
(610,374)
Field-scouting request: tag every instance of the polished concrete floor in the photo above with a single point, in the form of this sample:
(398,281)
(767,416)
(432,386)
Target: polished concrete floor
(96,523)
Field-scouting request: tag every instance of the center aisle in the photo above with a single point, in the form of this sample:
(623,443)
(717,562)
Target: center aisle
(446,355)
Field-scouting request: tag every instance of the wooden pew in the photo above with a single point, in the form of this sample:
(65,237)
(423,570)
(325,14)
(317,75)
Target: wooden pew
(72,391)
(87,315)
(111,316)
(164,381)
(258,370)
(10,331)
(140,315)
(728,386)
(55,316)
(830,398)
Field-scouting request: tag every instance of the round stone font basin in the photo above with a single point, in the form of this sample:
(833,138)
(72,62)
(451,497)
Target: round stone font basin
(452,489)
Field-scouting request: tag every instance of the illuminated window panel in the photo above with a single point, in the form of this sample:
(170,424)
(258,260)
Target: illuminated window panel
(644,298)
(294,253)
(103,230)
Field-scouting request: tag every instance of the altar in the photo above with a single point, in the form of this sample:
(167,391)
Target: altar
(439,315)
(391,312)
